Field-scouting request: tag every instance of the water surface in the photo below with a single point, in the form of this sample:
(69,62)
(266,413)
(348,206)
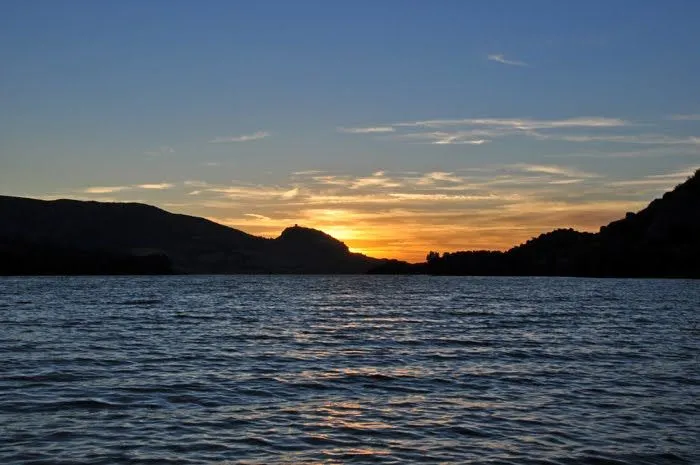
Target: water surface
(377,369)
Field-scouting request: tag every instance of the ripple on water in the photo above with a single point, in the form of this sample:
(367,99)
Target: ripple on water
(290,369)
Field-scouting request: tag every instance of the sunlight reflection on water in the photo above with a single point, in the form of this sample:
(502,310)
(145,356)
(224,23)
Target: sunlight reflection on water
(285,369)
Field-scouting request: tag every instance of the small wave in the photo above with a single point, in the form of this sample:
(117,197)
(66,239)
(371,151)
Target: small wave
(369,376)
(134,302)
(471,432)
(314,385)
(185,399)
(77,404)
(398,388)
(324,440)
(257,441)
(632,459)
(255,392)
(45,377)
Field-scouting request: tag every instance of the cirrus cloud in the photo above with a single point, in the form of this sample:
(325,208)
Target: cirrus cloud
(499,58)
(156,186)
(104,189)
(242,138)
(479,131)
(367,130)
(99,190)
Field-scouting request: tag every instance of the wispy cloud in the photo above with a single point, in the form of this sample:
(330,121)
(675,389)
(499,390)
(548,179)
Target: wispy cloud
(243,138)
(306,172)
(368,130)
(565,181)
(251,193)
(158,186)
(437,197)
(681,175)
(113,189)
(512,176)
(257,217)
(690,117)
(195,183)
(105,189)
(457,139)
(555,170)
(661,180)
(162,150)
(642,151)
(499,58)
(479,131)
(377,180)
(642,182)
(522,123)
(444,138)
(641,139)
(290,194)
(429,179)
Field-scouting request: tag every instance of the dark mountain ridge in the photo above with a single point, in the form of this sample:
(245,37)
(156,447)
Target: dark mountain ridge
(77,237)
(661,240)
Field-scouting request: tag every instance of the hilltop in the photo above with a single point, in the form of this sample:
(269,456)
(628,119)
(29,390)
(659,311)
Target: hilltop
(78,237)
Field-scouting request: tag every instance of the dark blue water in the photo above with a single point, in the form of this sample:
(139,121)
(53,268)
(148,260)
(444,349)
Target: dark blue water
(333,370)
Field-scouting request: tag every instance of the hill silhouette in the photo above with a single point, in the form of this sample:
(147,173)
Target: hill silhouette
(662,240)
(77,237)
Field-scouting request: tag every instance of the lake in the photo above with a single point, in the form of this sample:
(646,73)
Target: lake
(338,369)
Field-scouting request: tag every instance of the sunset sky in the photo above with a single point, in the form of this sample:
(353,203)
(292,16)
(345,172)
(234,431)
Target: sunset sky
(397,126)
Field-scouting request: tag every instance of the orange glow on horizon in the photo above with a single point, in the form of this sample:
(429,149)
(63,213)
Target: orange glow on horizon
(404,214)
(411,242)
(409,235)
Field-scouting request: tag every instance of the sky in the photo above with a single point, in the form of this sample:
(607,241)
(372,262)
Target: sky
(397,126)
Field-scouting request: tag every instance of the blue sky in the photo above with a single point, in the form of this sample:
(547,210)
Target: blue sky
(399,126)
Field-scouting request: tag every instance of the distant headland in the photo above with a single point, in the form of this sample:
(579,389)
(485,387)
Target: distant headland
(67,237)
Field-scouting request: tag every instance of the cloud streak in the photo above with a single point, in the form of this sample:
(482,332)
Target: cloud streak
(99,190)
(480,131)
(521,124)
(242,138)
(499,58)
(690,117)
(579,130)
(555,170)
(445,138)
(105,189)
(675,177)
(640,139)
(367,130)
(158,186)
